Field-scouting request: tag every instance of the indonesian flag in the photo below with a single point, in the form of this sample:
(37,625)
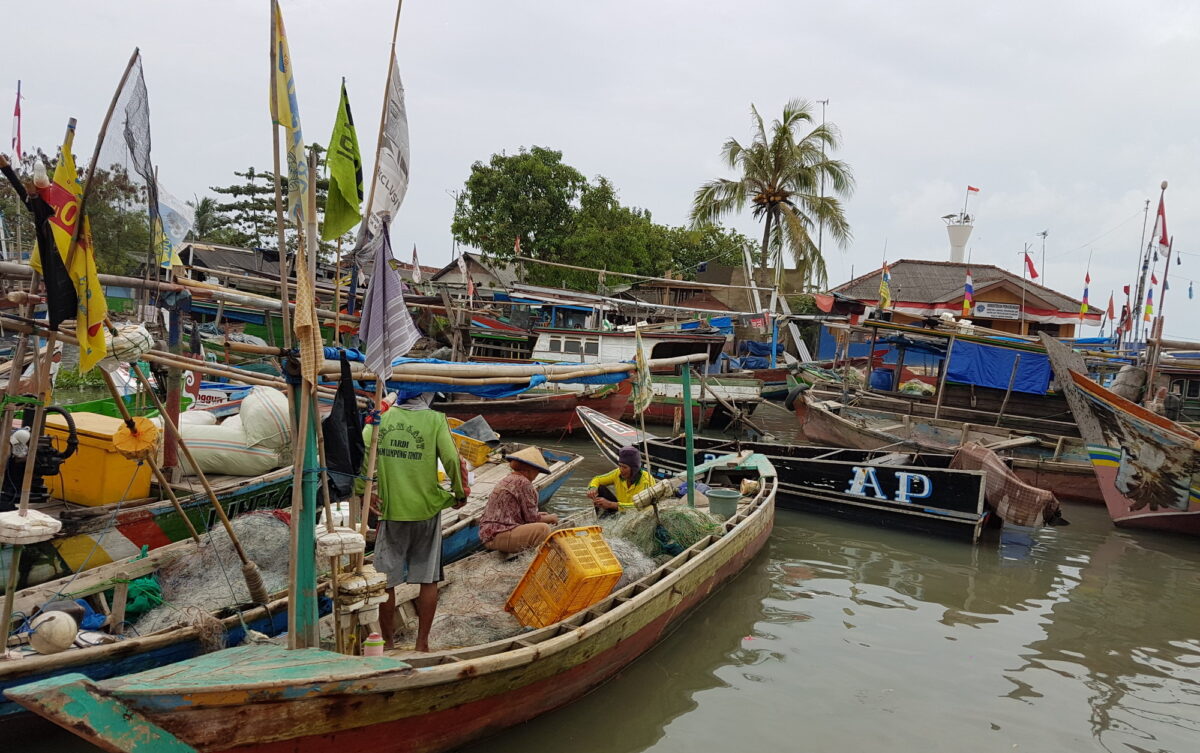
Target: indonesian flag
(972,189)
(1111,311)
(1033,275)
(16,136)
(416,275)
(1160,226)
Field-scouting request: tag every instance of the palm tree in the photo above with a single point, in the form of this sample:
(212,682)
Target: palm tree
(208,219)
(781,175)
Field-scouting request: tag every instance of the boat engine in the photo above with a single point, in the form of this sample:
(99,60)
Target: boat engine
(47,463)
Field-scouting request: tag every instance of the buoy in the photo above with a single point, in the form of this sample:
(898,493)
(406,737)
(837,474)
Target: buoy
(52,632)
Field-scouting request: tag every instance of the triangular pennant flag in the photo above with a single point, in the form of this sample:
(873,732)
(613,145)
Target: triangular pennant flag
(416,274)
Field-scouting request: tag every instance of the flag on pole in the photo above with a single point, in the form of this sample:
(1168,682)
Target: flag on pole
(390,182)
(968,294)
(972,189)
(1160,225)
(1083,306)
(92,308)
(416,274)
(16,134)
(1126,289)
(1153,278)
(885,287)
(1189,291)
(286,112)
(1149,305)
(175,221)
(1033,274)
(343,201)
(387,327)
(1111,310)
(643,391)
(466,275)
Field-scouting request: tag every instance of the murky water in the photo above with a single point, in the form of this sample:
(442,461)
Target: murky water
(843,637)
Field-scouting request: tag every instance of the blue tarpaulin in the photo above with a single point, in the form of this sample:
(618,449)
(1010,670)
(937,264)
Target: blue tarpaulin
(408,389)
(762,350)
(988,366)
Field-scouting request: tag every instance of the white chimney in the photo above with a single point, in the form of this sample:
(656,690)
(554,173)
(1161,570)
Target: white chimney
(959,227)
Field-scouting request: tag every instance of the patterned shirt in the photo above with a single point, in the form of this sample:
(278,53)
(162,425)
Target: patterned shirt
(513,502)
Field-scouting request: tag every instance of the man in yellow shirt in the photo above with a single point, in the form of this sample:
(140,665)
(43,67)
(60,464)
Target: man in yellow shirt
(615,490)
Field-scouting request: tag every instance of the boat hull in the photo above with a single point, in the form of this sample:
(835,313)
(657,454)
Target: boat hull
(266,702)
(823,480)
(549,413)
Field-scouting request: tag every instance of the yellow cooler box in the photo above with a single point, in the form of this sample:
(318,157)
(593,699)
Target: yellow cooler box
(96,474)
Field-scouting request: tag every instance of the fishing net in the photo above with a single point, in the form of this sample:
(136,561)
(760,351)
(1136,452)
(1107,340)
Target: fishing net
(681,525)
(211,578)
(470,608)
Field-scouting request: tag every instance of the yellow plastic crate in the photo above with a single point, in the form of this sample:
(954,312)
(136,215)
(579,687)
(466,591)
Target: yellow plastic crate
(96,474)
(475,452)
(573,570)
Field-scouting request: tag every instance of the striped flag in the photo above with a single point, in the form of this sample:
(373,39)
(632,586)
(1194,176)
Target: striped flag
(972,189)
(1083,307)
(1149,305)
(968,294)
(643,394)
(387,327)
(1153,278)
(885,287)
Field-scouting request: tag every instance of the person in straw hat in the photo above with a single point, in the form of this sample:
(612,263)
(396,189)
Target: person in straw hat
(511,521)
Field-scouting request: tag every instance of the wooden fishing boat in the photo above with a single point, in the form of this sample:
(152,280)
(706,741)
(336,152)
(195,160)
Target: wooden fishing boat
(265,698)
(540,412)
(1058,464)
(1145,464)
(903,490)
(712,398)
(460,537)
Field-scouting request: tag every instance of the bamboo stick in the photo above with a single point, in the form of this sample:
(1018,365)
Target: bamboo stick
(279,223)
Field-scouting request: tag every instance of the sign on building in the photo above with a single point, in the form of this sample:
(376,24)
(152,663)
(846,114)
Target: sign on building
(997,310)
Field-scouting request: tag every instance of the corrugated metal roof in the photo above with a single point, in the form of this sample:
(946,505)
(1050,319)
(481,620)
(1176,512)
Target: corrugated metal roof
(923,281)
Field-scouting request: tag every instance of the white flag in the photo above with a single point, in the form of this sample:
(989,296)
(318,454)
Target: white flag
(391,179)
(177,221)
(416,275)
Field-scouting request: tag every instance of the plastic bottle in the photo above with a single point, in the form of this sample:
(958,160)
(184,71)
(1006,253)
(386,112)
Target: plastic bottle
(373,645)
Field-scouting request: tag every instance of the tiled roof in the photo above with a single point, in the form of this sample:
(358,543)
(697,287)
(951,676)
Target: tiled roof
(923,281)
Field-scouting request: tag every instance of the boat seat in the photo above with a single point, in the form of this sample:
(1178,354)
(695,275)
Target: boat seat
(888,427)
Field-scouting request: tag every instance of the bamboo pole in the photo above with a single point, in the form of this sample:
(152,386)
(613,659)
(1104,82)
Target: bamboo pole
(643,278)
(163,482)
(250,572)
(1012,379)
(937,408)
(281,239)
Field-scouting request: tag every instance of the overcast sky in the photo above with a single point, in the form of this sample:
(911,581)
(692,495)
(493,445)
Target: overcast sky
(1067,116)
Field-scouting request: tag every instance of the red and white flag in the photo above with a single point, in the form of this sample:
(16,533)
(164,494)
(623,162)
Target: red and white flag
(972,189)
(1153,278)
(1033,275)
(416,275)
(1160,226)
(16,134)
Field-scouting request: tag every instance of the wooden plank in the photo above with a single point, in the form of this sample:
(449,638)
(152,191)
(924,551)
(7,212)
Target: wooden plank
(116,619)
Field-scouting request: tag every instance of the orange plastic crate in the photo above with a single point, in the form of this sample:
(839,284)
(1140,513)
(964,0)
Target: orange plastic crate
(573,570)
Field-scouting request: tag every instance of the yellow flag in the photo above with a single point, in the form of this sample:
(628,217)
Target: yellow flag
(93,309)
(286,112)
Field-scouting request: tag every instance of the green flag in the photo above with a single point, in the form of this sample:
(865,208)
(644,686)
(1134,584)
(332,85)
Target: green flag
(343,202)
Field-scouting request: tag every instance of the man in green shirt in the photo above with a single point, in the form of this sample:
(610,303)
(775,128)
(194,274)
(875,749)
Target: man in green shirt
(410,500)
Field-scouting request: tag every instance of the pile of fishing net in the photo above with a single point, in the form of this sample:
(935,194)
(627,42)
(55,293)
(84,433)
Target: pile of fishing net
(470,608)
(211,579)
(681,526)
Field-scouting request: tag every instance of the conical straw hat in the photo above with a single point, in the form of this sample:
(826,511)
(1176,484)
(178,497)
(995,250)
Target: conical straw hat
(530,456)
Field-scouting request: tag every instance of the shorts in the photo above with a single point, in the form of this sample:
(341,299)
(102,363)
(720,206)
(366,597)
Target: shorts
(409,551)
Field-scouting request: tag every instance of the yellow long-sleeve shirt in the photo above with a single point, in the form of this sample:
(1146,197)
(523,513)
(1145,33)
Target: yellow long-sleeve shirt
(623,491)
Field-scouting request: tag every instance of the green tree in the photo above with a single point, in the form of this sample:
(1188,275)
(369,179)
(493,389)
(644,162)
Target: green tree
(120,218)
(690,247)
(209,223)
(781,172)
(529,195)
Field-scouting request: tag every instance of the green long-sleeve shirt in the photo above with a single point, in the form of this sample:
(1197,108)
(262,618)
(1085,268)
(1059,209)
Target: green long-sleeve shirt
(410,444)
